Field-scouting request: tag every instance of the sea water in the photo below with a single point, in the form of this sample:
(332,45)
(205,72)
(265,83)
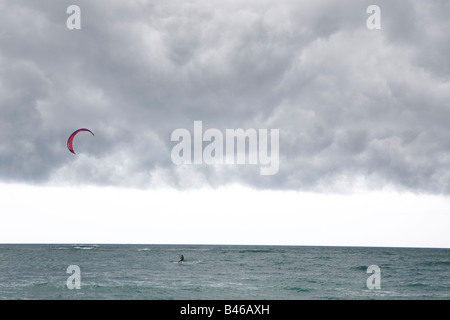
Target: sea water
(221,272)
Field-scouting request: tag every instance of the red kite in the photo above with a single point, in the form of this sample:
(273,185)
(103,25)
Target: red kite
(70,141)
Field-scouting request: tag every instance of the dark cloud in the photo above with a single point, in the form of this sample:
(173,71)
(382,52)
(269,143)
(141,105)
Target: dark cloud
(351,104)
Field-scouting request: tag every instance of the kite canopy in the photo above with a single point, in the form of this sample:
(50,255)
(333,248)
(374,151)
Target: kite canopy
(72,136)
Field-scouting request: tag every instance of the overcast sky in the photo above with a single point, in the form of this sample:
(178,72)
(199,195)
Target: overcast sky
(357,109)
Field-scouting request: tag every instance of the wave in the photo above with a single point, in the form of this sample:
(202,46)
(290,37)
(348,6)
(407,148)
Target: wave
(85,247)
(360,268)
(298,289)
(417,285)
(40,284)
(255,251)
(435,263)
(61,248)
(76,246)
(188,262)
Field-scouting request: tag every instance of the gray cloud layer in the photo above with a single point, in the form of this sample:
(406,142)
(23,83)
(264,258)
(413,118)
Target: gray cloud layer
(350,103)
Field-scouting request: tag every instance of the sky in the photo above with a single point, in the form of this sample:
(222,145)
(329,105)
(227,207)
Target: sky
(362,115)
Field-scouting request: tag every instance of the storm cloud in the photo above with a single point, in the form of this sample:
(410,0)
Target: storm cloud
(351,104)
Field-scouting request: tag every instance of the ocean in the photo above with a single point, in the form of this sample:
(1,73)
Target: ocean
(222,272)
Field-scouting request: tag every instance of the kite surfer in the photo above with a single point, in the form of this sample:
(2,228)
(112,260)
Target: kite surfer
(181,259)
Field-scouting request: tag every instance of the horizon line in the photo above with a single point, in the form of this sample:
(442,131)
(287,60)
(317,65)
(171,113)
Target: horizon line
(215,244)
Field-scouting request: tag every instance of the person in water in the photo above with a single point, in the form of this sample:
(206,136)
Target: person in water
(181,259)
